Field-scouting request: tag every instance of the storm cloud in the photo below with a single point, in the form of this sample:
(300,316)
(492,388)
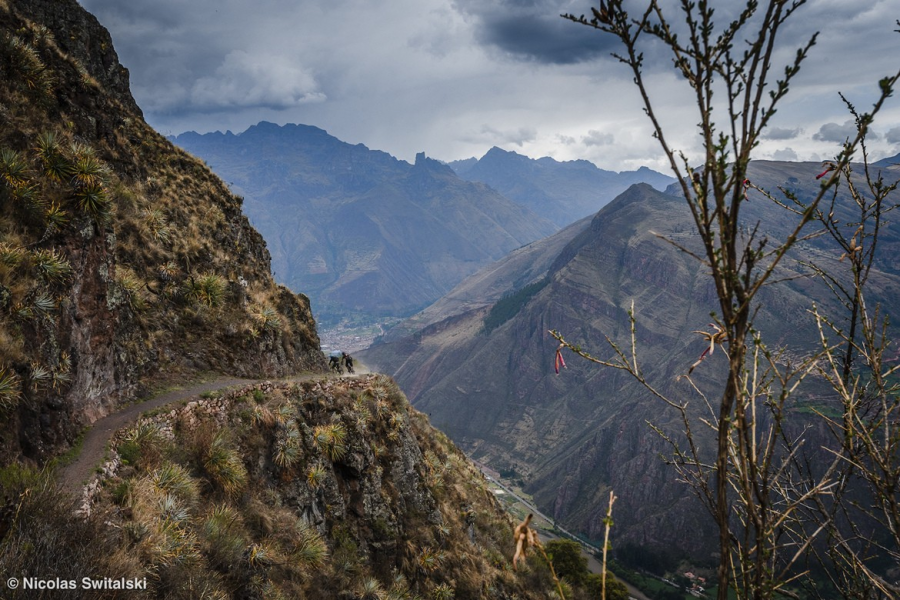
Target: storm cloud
(454,77)
(534,30)
(781,133)
(832,132)
(893,136)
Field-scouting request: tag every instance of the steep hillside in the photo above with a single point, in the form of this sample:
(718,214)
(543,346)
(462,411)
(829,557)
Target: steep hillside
(122,258)
(562,192)
(361,232)
(519,268)
(572,437)
(323,489)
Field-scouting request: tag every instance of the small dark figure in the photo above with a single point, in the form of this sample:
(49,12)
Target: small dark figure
(335,364)
(348,360)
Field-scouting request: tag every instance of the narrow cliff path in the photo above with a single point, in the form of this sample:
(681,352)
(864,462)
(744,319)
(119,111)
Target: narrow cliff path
(74,475)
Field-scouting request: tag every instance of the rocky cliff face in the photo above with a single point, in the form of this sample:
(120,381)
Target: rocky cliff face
(123,258)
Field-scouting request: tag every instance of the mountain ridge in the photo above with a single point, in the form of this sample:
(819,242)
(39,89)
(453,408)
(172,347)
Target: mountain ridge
(570,438)
(358,230)
(562,191)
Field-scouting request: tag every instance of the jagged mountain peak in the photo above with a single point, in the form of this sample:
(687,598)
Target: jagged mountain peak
(433,166)
(562,191)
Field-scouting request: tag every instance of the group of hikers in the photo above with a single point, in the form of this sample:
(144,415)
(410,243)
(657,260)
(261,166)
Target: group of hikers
(338,360)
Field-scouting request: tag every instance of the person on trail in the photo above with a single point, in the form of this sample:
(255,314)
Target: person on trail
(348,360)
(334,361)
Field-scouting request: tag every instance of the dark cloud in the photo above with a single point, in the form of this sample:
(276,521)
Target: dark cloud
(597,138)
(779,133)
(893,136)
(832,132)
(533,30)
(408,75)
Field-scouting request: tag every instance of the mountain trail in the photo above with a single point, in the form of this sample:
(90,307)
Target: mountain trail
(74,475)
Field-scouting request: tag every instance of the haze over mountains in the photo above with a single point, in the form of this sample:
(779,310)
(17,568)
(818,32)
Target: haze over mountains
(560,191)
(368,236)
(570,438)
(358,230)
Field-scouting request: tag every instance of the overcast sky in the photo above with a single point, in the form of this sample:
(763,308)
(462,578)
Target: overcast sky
(454,77)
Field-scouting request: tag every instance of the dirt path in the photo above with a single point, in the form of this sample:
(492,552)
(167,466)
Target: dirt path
(72,476)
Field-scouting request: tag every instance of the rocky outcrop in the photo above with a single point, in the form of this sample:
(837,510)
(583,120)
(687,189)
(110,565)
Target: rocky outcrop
(126,260)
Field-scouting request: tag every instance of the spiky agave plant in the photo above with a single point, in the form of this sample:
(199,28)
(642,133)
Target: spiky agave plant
(30,69)
(43,304)
(55,218)
(315,476)
(156,224)
(266,318)
(443,592)
(55,164)
(10,388)
(13,169)
(172,509)
(329,439)
(132,288)
(11,256)
(39,375)
(145,432)
(370,589)
(174,481)
(430,559)
(93,201)
(284,414)
(224,465)
(87,169)
(310,551)
(207,290)
(259,556)
(62,372)
(21,311)
(167,271)
(287,446)
(50,266)
(222,536)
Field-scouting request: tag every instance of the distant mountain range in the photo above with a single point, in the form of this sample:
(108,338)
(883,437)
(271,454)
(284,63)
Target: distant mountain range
(368,236)
(480,360)
(357,230)
(562,192)
(891,161)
